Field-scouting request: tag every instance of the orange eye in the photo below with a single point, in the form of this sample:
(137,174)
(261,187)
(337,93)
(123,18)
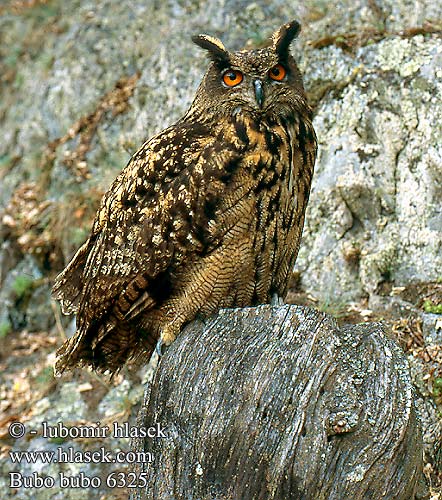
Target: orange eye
(232,77)
(277,73)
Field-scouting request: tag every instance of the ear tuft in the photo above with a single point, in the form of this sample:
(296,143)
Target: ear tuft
(217,51)
(284,36)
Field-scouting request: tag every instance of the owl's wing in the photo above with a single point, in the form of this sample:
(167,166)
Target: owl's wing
(159,210)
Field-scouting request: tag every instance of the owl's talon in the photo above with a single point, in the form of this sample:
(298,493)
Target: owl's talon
(159,347)
(276,300)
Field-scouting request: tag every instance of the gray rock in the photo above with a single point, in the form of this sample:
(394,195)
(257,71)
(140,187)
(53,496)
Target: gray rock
(18,287)
(432,328)
(119,399)
(378,177)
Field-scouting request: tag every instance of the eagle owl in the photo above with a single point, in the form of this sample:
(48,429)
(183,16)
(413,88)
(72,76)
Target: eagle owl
(207,214)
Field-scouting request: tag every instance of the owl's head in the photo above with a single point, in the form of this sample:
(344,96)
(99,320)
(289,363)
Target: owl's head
(263,82)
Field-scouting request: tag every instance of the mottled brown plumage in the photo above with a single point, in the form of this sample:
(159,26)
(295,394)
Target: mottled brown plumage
(207,214)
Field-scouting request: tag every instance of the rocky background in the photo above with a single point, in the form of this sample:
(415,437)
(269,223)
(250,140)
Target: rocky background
(84,83)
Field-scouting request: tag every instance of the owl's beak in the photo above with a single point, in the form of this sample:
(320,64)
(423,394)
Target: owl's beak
(259,94)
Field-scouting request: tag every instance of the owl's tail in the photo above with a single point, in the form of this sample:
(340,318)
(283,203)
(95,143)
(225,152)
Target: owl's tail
(105,347)
(68,286)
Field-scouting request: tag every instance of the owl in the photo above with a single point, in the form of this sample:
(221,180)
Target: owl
(207,214)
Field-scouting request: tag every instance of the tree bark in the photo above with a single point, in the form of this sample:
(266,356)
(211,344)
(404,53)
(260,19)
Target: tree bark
(281,403)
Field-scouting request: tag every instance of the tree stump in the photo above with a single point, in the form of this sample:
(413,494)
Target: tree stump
(281,403)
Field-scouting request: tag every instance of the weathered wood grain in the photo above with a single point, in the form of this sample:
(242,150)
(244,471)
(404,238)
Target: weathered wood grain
(281,403)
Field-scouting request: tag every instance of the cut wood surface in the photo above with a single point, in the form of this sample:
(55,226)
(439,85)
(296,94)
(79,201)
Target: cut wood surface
(281,403)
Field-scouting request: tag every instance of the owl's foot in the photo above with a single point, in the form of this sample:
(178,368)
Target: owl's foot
(166,338)
(276,300)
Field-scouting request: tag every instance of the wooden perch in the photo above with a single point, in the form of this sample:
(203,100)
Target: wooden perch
(281,403)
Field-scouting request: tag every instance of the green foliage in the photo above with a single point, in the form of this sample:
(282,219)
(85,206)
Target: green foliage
(79,235)
(12,56)
(432,308)
(57,440)
(45,377)
(337,309)
(340,39)
(22,285)
(437,387)
(44,13)
(5,328)
(19,80)
(46,60)
(5,160)
(258,38)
